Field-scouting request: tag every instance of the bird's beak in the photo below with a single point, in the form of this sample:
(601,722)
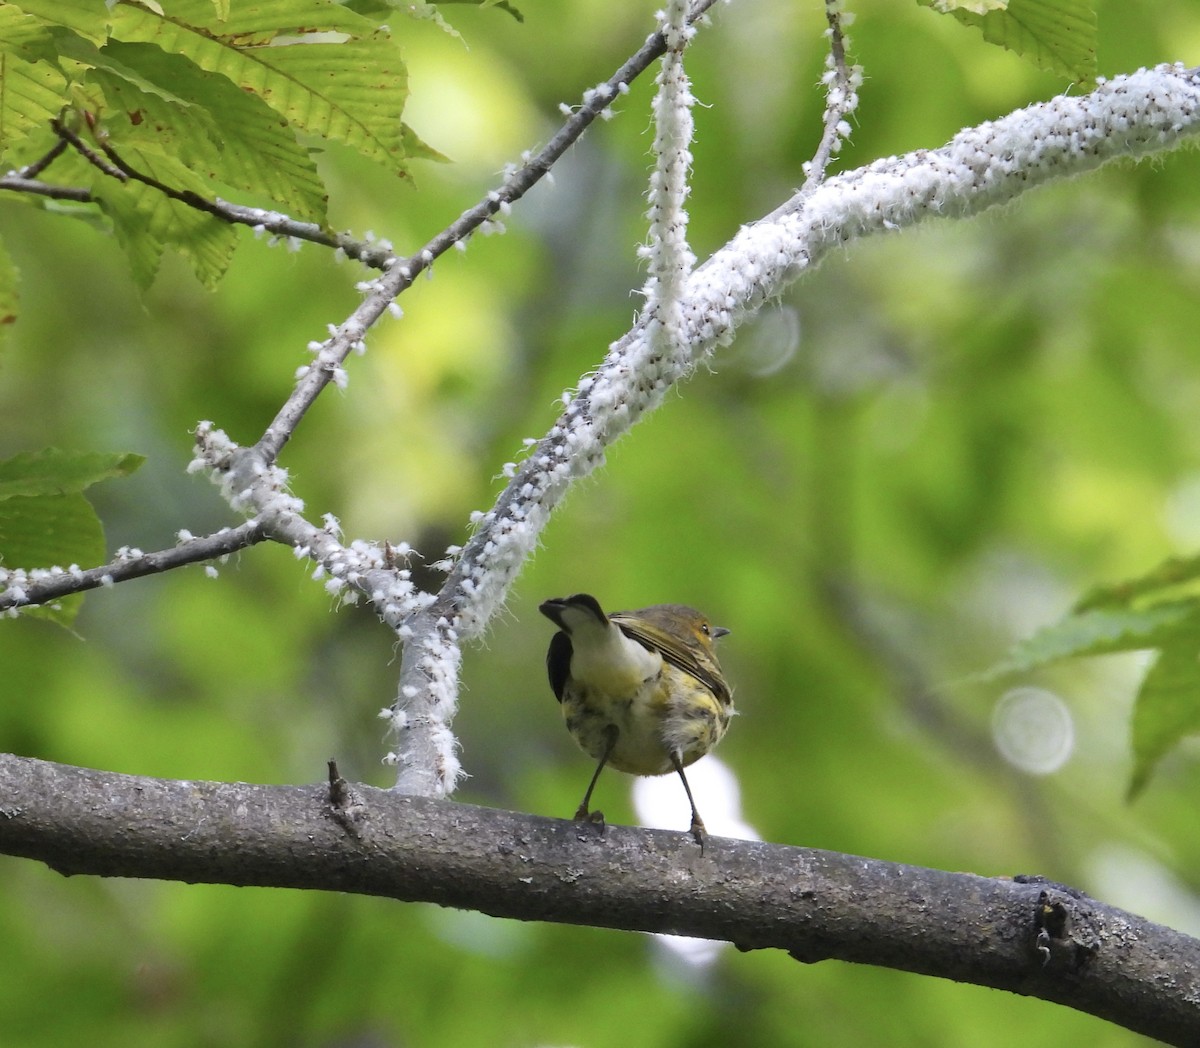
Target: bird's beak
(719,631)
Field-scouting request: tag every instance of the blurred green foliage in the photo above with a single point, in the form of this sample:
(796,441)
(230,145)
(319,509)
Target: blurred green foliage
(974,424)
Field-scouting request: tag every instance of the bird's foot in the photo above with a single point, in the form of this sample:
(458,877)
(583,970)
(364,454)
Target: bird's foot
(596,818)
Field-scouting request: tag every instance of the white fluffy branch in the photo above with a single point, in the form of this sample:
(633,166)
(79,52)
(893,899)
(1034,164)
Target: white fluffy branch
(259,489)
(1149,111)
(671,259)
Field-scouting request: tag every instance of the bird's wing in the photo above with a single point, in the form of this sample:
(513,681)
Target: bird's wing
(691,659)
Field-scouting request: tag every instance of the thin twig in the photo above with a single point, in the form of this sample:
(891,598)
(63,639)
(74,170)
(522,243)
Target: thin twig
(841,97)
(112,164)
(28,588)
(38,166)
(87,152)
(18,184)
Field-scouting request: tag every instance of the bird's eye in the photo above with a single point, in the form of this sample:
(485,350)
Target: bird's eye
(705,630)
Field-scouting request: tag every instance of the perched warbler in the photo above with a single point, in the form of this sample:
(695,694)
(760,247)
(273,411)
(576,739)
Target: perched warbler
(640,690)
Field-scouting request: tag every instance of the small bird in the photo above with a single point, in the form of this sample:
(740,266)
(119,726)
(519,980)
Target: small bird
(640,690)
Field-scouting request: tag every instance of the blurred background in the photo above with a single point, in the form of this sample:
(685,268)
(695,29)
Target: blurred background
(927,449)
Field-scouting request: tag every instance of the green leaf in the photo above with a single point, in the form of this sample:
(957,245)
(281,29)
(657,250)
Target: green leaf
(56,472)
(218,131)
(132,225)
(1167,710)
(45,521)
(327,70)
(1121,618)
(1100,631)
(1055,35)
(85,17)
(1171,575)
(31,93)
(199,95)
(415,147)
(352,92)
(51,530)
(24,36)
(146,219)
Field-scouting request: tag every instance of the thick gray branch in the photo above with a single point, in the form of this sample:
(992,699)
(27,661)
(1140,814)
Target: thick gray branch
(1037,939)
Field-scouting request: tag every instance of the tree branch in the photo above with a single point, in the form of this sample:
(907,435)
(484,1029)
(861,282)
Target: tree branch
(34,187)
(1025,935)
(842,82)
(23,588)
(44,161)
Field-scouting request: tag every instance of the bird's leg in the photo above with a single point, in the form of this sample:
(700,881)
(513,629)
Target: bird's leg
(583,815)
(697,827)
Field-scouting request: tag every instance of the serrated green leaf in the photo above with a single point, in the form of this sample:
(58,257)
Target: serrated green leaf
(415,147)
(146,219)
(130,112)
(1169,577)
(352,91)
(132,226)
(164,103)
(1167,709)
(1055,35)
(24,36)
(208,245)
(56,472)
(31,93)
(88,57)
(1168,702)
(86,17)
(1101,631)
(263,20)
(206,242)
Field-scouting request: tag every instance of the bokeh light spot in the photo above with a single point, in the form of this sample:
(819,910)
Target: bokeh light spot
(1033,730)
